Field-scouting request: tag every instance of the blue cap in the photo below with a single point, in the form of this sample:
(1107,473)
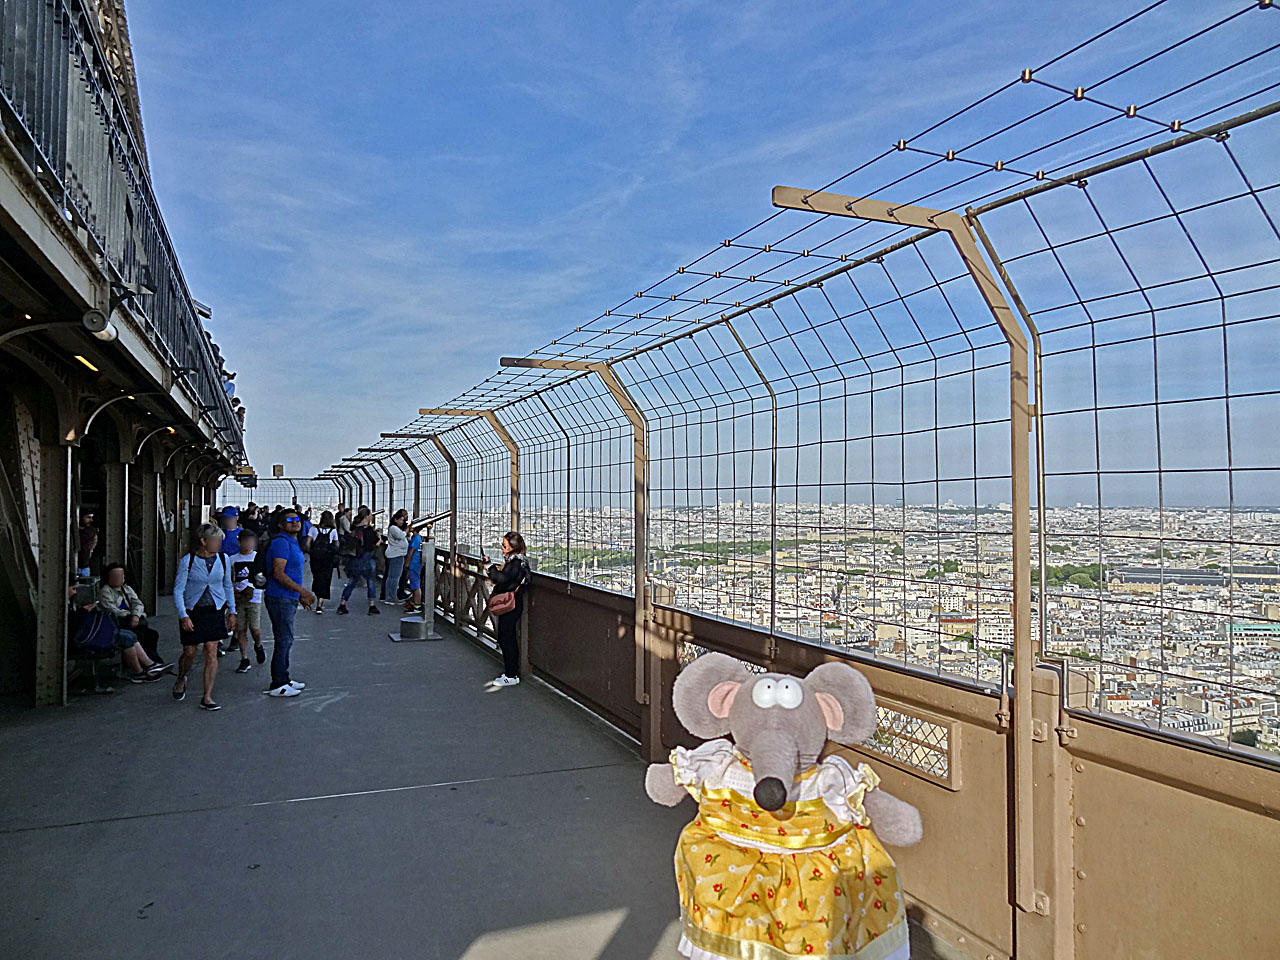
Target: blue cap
(231,511)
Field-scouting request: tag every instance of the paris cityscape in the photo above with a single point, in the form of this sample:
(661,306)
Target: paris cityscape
(1170,618)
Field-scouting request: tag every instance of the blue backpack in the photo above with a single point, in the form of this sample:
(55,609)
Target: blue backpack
(96,634)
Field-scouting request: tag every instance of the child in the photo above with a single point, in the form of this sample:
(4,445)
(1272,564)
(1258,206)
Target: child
(249,581)
(415,560)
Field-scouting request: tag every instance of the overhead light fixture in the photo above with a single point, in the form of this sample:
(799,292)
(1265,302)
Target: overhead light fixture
(86,363)
(132,397)
(171,431)
(26,316)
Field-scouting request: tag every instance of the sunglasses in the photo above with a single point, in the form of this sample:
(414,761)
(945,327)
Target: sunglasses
(292,520)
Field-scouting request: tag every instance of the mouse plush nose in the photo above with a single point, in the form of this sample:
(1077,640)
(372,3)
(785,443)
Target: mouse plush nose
(770,793)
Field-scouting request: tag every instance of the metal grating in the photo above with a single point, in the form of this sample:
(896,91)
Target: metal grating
(913,742)
(832,412)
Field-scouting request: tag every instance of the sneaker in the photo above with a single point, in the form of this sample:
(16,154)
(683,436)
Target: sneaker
(210,706)
(143,677)
(342,610)
(319,610)
(157,668)
(374,611)
(297,684)
(259,653)
(179,694)
(504,681)
(245,666)
(221,652)
(283,691)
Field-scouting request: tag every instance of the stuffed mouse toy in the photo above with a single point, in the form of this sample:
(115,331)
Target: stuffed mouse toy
(782,859)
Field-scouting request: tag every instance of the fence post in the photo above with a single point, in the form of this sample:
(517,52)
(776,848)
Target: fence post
(513,450)
(648,657)
(417,482)
(957,228)
(568,489)
(452,572)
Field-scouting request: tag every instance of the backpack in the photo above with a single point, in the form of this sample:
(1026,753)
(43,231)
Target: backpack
(96,634)
(322,547)
(262,565)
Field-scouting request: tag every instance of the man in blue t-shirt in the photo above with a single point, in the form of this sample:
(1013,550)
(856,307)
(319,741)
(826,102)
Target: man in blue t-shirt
(230,530)
(284,592)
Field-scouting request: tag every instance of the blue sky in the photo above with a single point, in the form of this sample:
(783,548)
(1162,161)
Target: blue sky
(378,199)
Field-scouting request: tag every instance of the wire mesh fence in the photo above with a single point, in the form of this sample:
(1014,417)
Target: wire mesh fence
(832,400)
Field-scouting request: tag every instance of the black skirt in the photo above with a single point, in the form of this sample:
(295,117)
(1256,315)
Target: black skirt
(210,626)
(321,577)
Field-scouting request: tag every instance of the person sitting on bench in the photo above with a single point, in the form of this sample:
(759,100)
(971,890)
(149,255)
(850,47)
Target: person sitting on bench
(121,601)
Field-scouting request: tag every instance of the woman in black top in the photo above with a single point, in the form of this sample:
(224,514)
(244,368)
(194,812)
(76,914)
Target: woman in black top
(324,554)
(512,577)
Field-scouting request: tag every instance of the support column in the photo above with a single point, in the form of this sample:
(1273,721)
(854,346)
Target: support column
(56,528)
(115,525)
(149,523)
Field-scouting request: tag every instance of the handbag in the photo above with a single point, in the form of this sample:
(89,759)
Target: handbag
(501,603)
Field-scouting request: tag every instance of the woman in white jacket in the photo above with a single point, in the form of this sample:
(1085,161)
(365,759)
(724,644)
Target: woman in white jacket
(397,550)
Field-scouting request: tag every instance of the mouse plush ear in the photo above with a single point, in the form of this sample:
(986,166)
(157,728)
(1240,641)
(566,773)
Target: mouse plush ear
(704,692)
(846,700)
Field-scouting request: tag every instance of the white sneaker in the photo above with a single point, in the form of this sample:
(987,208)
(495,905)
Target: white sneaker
(504,681)
(283,691)
(297,684)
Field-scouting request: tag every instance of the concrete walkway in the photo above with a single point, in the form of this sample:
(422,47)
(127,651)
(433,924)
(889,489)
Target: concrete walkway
(394,810)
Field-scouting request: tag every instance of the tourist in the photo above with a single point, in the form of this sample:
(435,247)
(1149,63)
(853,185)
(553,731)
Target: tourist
(308,531)
(121,601)
(88,543)
(251,519)
(324,554)
(397,549)
(249,581)
(414,577)
(361,542)
(231,530)
(204,594)
(343,518)
(513,576)
(284,592)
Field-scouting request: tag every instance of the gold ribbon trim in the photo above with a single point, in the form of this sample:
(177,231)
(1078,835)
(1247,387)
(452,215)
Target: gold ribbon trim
(881,948)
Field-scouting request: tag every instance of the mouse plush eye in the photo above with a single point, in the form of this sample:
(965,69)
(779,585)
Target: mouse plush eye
(789,693)
(764,693)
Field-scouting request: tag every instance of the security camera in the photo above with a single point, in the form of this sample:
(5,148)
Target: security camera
(96,322)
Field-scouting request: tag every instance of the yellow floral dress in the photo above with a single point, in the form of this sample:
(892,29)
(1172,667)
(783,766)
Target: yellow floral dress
(810,879)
